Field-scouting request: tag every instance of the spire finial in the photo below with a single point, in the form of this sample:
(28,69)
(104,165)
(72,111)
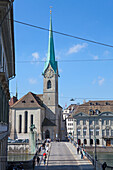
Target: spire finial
(50,9)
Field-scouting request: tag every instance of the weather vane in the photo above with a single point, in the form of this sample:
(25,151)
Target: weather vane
(50,9)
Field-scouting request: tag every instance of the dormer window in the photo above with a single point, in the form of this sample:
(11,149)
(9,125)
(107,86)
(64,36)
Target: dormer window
(32,101)
(91,112)
(48,84)
(23,101)
(97,111)
(107,103)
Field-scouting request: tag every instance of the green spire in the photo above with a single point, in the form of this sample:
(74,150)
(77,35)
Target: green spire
(51,53)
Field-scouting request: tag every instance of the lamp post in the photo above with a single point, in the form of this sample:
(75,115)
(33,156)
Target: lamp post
(95,143)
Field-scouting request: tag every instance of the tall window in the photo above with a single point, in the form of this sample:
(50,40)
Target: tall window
(78,131)
(20,123)
(31,119)
(107,122)
(84,122)
(103,132)
(84,131)
(107,132)
(26,121)
(96,122)
(78,122)
(97,131)
(91,131)
(48,84)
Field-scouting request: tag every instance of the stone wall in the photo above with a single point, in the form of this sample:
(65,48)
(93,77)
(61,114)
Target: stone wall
(18,148)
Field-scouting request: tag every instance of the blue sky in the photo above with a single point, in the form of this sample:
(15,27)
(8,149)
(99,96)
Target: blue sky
(90,19)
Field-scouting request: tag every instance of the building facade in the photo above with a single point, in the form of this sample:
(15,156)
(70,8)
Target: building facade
(42,110)
(7,71)
(93,122)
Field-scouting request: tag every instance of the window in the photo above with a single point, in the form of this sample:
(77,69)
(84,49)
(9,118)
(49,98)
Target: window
(91,112)
(111,122)
(107,132)
(97,111)
(84,122)
(84,131)
(91,141)
(20,123)
(85,142)
(91,131)
(107,122)
(78,122)
(97,141)
(103,122)
(26,121)
(48,84)
(97,132)
(96,122)
(111,132)
(103,132)
(31,119)
(78,131)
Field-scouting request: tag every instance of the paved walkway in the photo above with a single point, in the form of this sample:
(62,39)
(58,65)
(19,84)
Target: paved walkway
(63,156)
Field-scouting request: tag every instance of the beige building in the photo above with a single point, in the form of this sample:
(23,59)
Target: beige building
(7,71)
(94,121)
(42,110)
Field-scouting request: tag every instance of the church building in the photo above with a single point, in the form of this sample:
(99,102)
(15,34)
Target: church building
(42,110)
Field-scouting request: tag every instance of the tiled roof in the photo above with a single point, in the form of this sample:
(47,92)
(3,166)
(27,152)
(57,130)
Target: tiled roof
(30,100)
(102,106)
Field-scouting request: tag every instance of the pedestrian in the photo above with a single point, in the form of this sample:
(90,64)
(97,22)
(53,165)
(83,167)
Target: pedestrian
(44,160)
(104,165)
(38,160)
(81,154)
(78,150)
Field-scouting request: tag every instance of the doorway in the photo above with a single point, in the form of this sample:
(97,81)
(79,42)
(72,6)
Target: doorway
(47,134)
(108,142)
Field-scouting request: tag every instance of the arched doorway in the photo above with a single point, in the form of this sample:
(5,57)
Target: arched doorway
(85,142)
(91,141)
(79,142)
(47,134)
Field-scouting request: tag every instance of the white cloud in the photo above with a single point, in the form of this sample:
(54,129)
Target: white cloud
(106,53)
(35,56)
(95,57)
(100,81)
(94,81)
(32,81)
(76,48)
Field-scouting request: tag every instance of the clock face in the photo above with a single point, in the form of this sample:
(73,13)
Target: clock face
(49,73)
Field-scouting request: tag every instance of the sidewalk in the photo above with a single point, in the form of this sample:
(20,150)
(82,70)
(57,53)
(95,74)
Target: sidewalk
(84,164)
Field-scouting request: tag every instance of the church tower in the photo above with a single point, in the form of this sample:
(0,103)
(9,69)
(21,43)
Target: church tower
(50,80)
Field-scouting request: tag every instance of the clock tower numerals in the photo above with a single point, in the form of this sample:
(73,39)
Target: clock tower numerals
(49,73)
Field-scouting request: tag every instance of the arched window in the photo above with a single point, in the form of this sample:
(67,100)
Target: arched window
(26,121)
(48,84)
(20,123)
(85,142)
(31,119)
(91,141)
(97,141)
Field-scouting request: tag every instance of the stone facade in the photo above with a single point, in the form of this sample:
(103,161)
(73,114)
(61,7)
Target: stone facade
(95,124)
(7,71)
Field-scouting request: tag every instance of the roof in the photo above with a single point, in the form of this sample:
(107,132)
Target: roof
(13,100)
(102,106)
(30,100)
(47,122)
(51,52)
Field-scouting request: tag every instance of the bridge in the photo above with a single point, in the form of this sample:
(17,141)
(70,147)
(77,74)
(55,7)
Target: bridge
(63,156)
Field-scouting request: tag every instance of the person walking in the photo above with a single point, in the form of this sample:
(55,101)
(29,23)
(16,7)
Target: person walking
(81,154)
(38,160)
